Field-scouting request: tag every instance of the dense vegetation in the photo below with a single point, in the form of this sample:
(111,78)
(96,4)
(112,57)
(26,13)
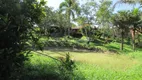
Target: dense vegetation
(79,41)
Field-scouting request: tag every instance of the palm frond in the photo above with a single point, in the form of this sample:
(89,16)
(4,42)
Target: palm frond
(70,7)
(72,13)
(63,5)
(62,10)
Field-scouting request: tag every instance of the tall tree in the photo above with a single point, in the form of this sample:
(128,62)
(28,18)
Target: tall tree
(88,12)
(135,23)
(104,12)
(70,7)
(87,18)
(121,20)
(103,15)
(17,21)
(49,20)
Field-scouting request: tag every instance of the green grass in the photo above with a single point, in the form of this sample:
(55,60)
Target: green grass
(105,60)
(107,65)
(93,72)
(40,68)
(90,65)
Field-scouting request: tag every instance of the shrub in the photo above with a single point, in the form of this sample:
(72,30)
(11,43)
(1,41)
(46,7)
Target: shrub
(67,68)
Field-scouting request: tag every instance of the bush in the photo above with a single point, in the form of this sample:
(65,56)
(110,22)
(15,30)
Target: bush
(67,68)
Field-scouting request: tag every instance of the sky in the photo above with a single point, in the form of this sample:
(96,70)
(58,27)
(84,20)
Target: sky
(55,4)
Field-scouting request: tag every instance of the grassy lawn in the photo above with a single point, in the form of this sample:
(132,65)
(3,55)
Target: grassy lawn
(92,65)
(105,60)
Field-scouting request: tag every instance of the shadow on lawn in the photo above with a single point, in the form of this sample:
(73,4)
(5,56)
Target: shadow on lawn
(117,49)
(45,70)
(112,49)
(39,71)
(79,50)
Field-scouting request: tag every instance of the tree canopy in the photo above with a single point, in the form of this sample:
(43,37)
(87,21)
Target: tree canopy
(17,21)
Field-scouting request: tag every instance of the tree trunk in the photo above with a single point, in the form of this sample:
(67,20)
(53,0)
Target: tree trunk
(122,40)
(68,17)
(68,31)
(133,38)
(139,38)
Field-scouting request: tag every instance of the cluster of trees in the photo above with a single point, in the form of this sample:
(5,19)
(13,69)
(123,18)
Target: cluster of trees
(128,21)
(91,13)
(70,12)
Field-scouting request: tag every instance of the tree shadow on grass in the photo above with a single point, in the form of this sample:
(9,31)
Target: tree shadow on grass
(117,50)
(44,70)
(40,71)
(78,50)
(112,49)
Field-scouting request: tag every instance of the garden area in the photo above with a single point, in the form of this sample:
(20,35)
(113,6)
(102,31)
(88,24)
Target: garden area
(81,40)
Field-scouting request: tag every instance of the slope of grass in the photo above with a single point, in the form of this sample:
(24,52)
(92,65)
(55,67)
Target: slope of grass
(98,44)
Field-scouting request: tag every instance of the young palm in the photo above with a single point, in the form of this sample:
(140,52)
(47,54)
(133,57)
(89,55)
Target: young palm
(70,7)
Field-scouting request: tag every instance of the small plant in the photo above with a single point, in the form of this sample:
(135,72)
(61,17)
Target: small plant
(67,68)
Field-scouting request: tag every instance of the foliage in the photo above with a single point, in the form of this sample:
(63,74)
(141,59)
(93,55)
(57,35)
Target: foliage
(104,12)
(92,33)
(17,21)
(54,23)
(70,7)
(87,14)
(67,68)
(128,20)
(121,20)
(87,31)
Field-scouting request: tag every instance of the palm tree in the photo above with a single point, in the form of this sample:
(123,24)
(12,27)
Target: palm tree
(135,19)
(128,20)
(103,15)
(136,22)
(70,7)
(120,20)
